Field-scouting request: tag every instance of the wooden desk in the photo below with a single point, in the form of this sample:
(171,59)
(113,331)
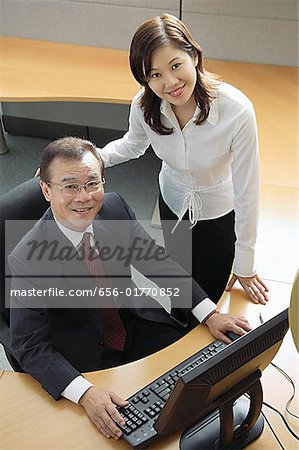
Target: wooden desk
(32,70)
(30,419)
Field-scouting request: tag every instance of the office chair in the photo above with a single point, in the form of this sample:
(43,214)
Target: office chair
(25,202)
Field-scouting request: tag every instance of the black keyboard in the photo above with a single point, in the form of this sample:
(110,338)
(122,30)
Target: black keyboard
(145,405)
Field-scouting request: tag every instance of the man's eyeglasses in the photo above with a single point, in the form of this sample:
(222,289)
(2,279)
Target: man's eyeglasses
(73,189)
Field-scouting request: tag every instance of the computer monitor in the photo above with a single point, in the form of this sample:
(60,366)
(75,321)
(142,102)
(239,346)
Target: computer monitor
(211,391)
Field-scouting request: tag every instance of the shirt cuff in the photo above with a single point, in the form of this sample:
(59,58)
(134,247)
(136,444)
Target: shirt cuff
(76,389)
(203,309)
(244,264)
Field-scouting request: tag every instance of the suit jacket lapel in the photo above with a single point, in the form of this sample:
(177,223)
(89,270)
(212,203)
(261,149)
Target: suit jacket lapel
(69,272)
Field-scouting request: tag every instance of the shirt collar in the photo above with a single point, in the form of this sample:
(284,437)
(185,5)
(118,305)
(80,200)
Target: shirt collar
(74,236)
(165,107)
(213,114)
(167,110)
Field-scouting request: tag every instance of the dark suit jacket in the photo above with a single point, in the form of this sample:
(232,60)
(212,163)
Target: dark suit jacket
(56,338)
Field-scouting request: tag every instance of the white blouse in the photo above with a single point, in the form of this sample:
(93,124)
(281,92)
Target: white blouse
(207,169)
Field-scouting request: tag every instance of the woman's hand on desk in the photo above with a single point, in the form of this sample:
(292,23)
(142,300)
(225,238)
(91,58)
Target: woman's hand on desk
(254,287)
(100,407)
(220,324)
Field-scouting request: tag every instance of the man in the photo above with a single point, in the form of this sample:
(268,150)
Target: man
(85,240)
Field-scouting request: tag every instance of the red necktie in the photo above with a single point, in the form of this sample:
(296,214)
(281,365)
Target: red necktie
(114,332)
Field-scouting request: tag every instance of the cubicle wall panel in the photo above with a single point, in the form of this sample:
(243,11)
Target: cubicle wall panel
(146,4)
(42,128)
(262,31)
(85,23)
(267,9)
(254,39)
(21,126)
(105,115)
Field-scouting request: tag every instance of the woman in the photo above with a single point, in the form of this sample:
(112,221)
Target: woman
(205,133)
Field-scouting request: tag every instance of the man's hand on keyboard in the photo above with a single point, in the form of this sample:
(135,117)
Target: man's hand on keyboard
(220,324)
(101,408)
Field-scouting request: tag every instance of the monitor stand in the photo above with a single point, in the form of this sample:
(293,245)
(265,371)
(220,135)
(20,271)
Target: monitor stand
(235,422)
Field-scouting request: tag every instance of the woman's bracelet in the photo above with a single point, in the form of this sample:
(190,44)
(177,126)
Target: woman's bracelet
(215,311)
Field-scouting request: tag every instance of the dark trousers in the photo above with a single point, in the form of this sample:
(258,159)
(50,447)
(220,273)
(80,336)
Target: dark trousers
(144,338)
(213,248)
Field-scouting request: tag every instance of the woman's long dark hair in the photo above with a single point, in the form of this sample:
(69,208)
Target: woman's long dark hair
(155,33)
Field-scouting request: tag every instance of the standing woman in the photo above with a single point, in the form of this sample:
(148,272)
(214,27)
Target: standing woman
(205,133)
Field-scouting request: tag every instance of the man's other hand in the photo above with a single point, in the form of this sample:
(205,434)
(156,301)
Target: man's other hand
(100,406)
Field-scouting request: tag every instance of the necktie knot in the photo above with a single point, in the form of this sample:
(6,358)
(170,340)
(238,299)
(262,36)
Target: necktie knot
(85,241)
(86,249)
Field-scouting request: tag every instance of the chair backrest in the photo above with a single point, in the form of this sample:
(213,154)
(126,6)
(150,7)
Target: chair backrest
(25,202)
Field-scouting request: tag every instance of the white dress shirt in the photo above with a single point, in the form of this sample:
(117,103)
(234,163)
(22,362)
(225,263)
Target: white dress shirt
(80,385)
(209,169)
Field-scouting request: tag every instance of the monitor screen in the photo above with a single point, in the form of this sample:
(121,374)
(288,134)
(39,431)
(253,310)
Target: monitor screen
(200,391)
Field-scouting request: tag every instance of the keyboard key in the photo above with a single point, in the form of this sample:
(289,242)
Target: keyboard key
(164,392)
(161,388)
(166,396)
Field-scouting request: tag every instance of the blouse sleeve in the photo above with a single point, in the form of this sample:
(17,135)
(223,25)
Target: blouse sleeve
(132,145)
(245,174)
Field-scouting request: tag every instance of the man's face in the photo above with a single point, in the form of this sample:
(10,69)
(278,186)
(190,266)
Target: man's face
(74,211)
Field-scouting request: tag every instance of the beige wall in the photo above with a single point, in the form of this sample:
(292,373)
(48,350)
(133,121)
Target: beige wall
(259,31)
(262,31)
(106,23)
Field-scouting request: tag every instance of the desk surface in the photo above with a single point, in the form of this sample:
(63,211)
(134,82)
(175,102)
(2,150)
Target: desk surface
(30,419)
(32,70)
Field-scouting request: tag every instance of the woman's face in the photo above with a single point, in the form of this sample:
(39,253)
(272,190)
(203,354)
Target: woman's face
(173,75)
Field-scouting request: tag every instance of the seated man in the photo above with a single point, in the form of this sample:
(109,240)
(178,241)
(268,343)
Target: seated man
(56,332)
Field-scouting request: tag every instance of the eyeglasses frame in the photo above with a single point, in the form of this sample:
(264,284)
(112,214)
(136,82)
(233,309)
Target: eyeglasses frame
(79,186)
